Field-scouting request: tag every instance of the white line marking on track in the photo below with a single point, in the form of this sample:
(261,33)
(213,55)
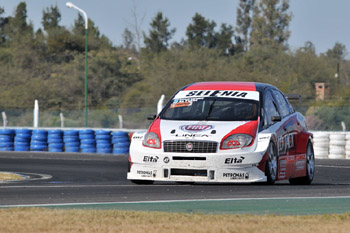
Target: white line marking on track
(333,166)
(172,201)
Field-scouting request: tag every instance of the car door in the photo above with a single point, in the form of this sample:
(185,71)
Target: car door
(287,135)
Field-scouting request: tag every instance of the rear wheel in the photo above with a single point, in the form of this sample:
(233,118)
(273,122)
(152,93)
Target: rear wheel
(271,169)
(310,168)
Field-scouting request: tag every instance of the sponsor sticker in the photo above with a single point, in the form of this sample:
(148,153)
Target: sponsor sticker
(236,175)
(166,160)
(147,173)
(234,160)
(218,93)
(196,128)
(150,159)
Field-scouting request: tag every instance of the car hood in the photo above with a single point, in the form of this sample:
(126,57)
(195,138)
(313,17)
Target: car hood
(205,130)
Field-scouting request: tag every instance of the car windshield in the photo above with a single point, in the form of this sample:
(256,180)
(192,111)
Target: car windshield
(211,109)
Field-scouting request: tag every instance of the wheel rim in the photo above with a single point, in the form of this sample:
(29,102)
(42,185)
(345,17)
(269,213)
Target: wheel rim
(310,162)
(272,162)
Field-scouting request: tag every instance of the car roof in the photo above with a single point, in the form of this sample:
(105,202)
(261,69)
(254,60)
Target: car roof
(227,85)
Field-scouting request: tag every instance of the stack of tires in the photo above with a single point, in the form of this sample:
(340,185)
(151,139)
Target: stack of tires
(71,141)
(121,142)
(347,146)
(22,139)
(87,141)
(39,140)
(337,146)
(321,145)
(103,141)
(55,140)
(6,139)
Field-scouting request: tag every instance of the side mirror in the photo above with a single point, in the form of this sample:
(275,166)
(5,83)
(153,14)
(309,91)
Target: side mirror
(151,117)
(276,118)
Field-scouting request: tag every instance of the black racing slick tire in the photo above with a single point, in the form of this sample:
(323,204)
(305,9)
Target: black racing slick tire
(271,167)
(310,168)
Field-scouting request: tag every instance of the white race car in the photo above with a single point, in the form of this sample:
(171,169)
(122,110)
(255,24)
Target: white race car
(224,132)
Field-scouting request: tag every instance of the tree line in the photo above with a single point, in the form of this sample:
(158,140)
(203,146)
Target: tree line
(47,64)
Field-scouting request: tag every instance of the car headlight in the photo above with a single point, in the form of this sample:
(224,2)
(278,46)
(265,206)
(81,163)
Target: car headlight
(236,141)
(151,140)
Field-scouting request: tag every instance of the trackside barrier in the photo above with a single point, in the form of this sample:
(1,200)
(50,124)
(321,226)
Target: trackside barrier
(7,139)
(331,145)
(70,140)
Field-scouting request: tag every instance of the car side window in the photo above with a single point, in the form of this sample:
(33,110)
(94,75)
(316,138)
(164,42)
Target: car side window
(269,109)
(282,103)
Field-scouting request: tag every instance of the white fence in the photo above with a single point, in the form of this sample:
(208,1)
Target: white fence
(331,145)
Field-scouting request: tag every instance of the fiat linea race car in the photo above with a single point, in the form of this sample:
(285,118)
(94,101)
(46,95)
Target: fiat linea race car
(224,132)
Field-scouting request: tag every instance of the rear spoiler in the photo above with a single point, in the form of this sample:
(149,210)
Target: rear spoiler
(293,97)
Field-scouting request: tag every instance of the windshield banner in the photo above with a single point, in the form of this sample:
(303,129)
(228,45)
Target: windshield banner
(250,95)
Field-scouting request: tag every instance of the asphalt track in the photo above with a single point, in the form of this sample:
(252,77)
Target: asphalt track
(63,180)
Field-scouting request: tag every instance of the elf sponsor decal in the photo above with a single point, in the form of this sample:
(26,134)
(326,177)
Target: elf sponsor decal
(147,173)
(218,93)
(234,160)
(285,143)
(150,159)
(236,175)
(137,137)
(196,128)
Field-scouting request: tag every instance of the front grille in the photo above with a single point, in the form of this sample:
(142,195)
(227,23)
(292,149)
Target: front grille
(188,172)
(197,146)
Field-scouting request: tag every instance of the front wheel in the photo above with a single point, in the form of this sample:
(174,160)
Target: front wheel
(310,168)
(271,169)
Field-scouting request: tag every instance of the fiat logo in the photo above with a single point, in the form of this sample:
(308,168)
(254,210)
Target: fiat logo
(196,128)
(189,146)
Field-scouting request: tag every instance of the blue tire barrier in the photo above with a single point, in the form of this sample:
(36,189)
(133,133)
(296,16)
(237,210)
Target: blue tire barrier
(87,136)
(56,145)
(55,132)
(23,131)
(83,146)
(55,149)
(55,140)
(71,132)
(38,147)
(104,145)
(39,137)
(21,144)
(6,138)
(19,139)
(119,139)
(23,135)
(122,150)
(88,150)
(86,131)
(121,144)
(72,144)
(72,149)
(104,150)
(70,139)
(54,136)
(22,148)
(6,144)
(103,141)
(7,148)
(103,137)
(35,142)
(88,141)
(40,132)
(120,134)
(7,131)
(103,132)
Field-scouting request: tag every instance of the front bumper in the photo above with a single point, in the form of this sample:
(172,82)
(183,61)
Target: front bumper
(216,167)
